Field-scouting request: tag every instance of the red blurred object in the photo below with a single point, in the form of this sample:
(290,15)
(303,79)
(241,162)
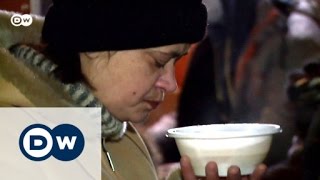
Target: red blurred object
(182,66)
(21,6)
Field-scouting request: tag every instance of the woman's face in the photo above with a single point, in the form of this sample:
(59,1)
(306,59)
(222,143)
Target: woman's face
(131,83)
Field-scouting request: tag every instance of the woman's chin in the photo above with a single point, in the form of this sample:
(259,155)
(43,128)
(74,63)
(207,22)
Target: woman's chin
(139,117)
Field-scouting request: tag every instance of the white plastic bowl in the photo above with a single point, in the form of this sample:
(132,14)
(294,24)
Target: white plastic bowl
(243,145)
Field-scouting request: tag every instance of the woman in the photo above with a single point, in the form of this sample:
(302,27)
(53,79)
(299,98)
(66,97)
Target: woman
(115,55)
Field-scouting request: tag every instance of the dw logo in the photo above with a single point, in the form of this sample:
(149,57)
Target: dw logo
(38,142)
(18,20)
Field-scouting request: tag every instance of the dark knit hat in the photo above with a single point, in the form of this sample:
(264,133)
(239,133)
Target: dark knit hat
(99,25)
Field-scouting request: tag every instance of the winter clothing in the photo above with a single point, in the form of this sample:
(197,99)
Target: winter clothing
(26,81)
(79,93)
(118,25)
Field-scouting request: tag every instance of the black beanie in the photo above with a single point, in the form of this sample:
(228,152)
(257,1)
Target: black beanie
(100,25)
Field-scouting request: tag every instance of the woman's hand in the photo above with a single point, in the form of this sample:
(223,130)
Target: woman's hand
(212,171)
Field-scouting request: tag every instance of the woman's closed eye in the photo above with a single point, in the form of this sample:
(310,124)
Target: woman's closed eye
(159,64)
(161,59)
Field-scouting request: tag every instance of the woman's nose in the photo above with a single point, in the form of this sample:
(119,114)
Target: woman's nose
(167,80)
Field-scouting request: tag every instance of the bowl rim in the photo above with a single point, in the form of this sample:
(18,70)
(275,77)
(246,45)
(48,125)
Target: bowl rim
(176,132)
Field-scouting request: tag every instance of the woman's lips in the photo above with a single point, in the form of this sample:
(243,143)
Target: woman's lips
(153,104)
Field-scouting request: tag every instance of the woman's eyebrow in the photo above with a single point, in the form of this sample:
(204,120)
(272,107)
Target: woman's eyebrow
(171,54)
(179,54)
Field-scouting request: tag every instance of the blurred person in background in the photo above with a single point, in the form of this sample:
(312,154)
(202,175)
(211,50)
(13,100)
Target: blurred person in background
(303,157)
(283,41)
